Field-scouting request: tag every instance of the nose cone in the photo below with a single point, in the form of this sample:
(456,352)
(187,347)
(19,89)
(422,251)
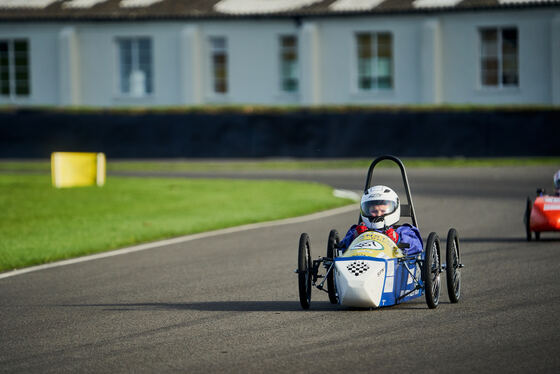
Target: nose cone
(360,282)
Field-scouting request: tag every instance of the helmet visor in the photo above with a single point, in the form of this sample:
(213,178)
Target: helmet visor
(378,208)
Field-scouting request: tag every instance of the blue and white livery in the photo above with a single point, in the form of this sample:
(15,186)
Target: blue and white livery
(374,272)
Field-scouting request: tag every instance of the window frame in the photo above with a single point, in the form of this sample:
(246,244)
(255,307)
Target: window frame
(213,50)
(500,85)
(282,64)
(374,60)
(135,53)
(14,84)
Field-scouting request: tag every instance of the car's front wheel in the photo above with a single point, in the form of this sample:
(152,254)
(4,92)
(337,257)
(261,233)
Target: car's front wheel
(432,270)
(304,271)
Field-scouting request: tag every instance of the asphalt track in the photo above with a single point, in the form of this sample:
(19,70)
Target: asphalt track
(229,303)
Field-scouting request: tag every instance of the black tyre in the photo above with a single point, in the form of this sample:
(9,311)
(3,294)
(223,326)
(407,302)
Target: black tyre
(527,219)
(332,245)
(432,269)
(537,236)
(304,271)
(453,270)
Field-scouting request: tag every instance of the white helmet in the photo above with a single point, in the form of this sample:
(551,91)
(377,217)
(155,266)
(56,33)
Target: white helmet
(556,179)
(380,207)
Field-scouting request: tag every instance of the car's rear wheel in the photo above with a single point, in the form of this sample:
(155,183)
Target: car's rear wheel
(432,270)
(304,271)
(527,219)
(332,245)
(453,266)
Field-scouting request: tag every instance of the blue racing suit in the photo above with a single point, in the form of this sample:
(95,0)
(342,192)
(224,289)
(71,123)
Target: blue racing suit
(403,234)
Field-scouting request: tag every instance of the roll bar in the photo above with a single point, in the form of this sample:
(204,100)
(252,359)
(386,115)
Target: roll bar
(406,210)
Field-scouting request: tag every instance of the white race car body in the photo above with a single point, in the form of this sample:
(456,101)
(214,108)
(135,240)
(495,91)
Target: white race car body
(373,272)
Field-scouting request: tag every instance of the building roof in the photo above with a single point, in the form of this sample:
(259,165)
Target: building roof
(191,9)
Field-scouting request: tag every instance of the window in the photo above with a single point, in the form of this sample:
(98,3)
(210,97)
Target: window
(289,81)
(135,60)
(14,68)
(218,63)
(499,57)
(375,61)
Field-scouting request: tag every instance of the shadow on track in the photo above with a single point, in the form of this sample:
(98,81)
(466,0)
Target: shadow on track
(209,306)
(238,306)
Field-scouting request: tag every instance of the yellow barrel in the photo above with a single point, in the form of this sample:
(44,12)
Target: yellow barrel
(73,169)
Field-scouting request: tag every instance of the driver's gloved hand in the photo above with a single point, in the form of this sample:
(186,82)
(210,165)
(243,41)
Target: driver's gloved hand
(391,233)
(361,228)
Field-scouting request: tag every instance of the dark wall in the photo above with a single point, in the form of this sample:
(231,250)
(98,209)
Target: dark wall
(304,133)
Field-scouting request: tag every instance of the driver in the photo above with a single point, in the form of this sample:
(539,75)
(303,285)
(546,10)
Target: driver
(380,211)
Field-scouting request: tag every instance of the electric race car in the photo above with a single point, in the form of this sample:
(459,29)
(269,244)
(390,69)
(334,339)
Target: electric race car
(542,215)
(374,271)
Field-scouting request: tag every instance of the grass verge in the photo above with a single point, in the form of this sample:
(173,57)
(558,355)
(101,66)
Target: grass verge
(41,224)
(266,164)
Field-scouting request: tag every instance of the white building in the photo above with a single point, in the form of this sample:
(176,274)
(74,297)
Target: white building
(112,53)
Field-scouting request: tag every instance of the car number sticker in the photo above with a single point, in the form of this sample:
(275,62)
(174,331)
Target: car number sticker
(368,245)
(373,244)
(377,237)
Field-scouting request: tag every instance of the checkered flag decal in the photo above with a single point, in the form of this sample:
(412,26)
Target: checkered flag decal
(357,267)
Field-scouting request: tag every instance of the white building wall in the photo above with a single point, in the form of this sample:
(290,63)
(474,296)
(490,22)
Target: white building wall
(69,67)
(436,59)
(100,68)
(253,65)
(339,59)
(430,62)
(253,60)
(190,65)
(311,61)
(555,58)
(461,57)
(43,46)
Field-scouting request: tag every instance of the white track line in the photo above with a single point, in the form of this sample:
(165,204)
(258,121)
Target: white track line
(182,239)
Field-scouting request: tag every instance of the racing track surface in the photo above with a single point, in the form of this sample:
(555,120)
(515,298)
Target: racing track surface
(230,303)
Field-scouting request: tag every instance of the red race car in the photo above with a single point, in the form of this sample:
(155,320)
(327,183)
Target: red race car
(542,215)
